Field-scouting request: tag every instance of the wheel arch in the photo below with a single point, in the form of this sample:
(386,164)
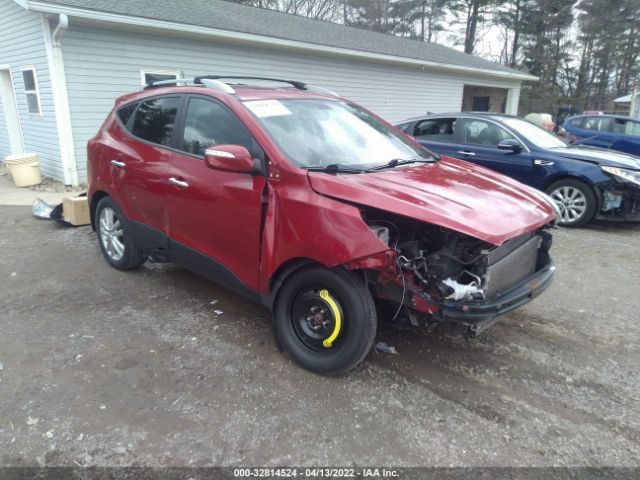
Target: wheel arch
(283,272)
(575,176)
(95,199)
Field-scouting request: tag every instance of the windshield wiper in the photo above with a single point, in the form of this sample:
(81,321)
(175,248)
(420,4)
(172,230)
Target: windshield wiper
(399,161)
(335,168)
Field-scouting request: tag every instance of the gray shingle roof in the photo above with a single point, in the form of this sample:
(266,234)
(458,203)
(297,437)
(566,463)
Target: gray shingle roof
(235,17)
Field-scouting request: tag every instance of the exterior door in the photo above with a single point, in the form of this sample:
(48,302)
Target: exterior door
(213,213)
(480,139)
(140,164)
(11,117)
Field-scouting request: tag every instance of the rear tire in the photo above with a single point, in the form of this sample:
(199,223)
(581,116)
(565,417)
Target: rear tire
(325,319)
(576,200)
(114,238)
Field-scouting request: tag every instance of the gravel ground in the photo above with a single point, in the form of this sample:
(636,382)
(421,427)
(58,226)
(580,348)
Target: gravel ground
(101,367)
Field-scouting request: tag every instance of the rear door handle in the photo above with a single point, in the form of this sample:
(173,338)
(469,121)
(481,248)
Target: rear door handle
(466,153)
(117,163)
(178,183)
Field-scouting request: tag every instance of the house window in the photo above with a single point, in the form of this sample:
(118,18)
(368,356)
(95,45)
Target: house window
(31,90)
(148,76)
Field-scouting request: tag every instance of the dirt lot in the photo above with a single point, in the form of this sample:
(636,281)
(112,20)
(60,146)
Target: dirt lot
(101,367)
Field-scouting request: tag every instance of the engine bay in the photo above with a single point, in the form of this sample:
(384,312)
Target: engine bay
(435,264)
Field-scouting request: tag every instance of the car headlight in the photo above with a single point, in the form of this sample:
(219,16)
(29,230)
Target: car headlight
(623,174)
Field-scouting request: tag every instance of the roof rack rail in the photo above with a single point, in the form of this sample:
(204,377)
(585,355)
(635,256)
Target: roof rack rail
(216,82)
(323,90)
(293,83)
(160,83)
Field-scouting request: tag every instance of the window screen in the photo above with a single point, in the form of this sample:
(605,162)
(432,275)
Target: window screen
(155,120)
(208,123)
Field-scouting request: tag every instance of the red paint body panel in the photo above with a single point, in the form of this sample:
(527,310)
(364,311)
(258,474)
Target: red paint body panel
(449,193)
(302,224)
(140,187)
(308,215)
(218,215)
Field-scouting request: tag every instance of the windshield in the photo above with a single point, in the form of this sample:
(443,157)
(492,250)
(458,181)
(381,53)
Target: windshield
(318,133)
(536,135)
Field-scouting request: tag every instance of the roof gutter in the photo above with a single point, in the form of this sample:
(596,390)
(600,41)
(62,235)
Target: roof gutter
(263,40)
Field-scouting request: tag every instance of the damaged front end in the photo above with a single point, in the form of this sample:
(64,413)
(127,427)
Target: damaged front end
(449,276)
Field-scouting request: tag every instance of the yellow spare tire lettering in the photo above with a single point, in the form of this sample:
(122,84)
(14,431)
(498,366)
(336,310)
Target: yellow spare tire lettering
(328,342)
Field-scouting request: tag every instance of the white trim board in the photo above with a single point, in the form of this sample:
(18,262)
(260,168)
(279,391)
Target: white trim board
(10,107)
(61,105)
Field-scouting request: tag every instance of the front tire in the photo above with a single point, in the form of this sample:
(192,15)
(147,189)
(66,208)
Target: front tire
(325,319)
(576,200)
(115,240)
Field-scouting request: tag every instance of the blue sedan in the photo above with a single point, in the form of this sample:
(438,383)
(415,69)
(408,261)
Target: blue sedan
(605,131)
(586,183)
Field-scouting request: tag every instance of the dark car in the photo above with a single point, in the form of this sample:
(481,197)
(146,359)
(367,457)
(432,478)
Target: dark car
(315,207)
(585,182)
(614,132)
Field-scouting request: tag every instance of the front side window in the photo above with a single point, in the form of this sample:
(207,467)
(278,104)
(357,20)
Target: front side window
(31,91)
(207,124)
(438,129)
(155,120)
(534,134)
(481,132)
(317,133)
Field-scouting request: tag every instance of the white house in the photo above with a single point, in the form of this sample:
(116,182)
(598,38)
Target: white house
(63,62)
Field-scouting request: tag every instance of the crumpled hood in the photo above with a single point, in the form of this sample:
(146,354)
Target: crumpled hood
(451,193)
(600,156)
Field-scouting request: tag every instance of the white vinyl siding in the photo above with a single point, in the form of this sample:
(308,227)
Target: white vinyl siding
(101,64)
(22,45)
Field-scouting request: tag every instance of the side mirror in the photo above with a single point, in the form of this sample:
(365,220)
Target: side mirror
(510,144)
(229,158)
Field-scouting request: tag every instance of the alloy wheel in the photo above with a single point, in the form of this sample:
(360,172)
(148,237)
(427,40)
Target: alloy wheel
(572,203)
(111,234)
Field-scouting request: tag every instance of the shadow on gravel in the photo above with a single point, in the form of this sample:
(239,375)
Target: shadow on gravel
(607,226)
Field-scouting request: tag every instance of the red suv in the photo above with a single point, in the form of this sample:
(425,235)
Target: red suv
(315,207)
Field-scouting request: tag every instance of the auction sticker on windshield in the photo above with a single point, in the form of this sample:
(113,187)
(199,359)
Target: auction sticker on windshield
(267,108)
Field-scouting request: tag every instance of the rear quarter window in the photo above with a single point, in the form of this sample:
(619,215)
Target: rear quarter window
(124,113)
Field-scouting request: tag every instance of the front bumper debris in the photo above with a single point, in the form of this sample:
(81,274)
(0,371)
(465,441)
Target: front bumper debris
(480,315)
(621,203)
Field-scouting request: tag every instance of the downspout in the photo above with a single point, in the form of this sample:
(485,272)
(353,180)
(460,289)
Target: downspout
(61,100)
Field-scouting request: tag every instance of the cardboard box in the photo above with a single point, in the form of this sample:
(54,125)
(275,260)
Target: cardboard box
(75,210)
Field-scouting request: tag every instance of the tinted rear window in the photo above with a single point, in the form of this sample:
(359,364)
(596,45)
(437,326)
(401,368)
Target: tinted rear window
(125,112)
(155,120)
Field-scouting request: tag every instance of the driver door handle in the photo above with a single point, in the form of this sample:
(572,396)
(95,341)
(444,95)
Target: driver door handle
(466,153)
(178,183)
(117,163)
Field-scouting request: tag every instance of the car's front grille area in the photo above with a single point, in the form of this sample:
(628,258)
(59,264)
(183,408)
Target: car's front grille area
(507,268)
